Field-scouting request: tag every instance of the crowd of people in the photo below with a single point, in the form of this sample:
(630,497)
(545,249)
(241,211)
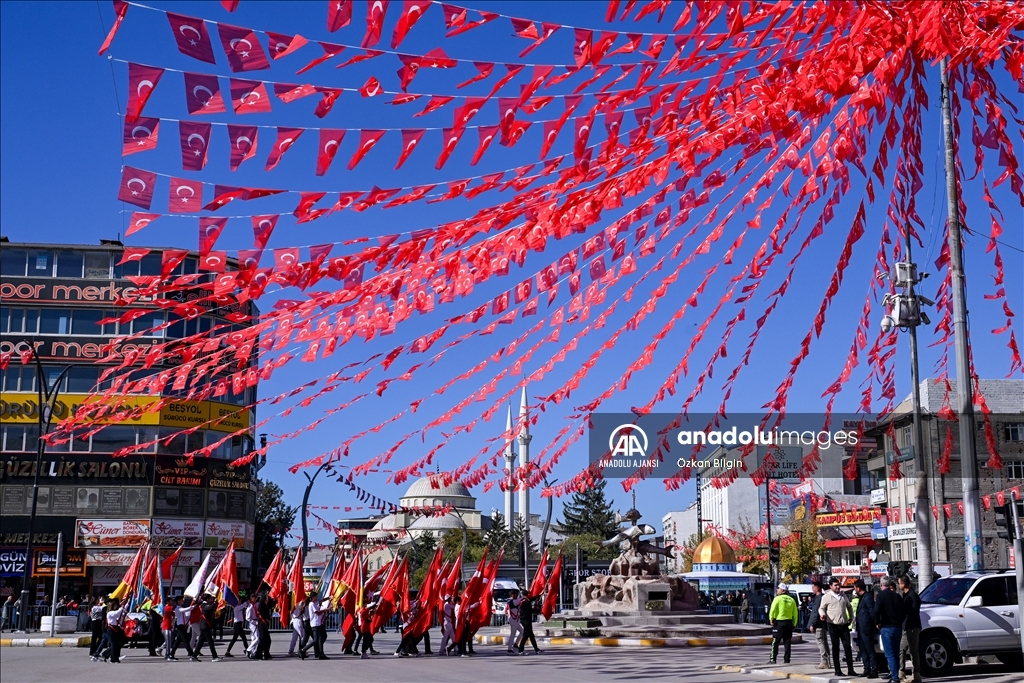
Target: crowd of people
(186,627)
(892,614)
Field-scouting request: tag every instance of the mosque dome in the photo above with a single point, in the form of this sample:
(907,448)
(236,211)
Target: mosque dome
(431,491)
(714,551)
(437,523)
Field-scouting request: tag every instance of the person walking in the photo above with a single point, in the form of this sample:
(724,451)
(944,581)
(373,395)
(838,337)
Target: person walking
(265,612)
(207,609)
(300,633)
(818,626)
(7,614)
(889,617)
(527,608)
(252,616)
(97,619)
(744,607)
(315,613)
(182,612)
(447,625)
(910,640)
(167,626)
(836,611)
(238,625)
(514,626)
(866,632)
(783,617)
(366,628)
(116,617)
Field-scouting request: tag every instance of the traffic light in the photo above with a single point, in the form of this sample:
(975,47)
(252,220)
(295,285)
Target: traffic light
(1005,527)
(774,552)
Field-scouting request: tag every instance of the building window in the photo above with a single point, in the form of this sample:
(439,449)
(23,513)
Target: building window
(913,551)
(852,558)
(40,263)
(97,265)
(1013,431)
(12,262)
(1014,469)
(55,321)
(70,264)
(908,438)
(897,551)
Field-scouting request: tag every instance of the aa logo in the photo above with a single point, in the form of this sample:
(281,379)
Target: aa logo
(629,441)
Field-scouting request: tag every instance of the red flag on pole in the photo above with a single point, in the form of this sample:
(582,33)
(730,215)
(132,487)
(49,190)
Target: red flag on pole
(553,587)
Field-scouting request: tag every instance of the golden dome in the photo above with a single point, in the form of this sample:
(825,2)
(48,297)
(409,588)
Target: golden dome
(713,550)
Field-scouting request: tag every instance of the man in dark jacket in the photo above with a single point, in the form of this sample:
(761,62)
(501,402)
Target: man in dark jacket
(889,618)
(818,627)
(866,632)
(909,644)
(208,609)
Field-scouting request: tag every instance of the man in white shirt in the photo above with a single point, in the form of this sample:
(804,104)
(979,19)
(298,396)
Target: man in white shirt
(299,633)
(181,634)
(515,628)
(252,616)
(315,613)
(116,616)
(237,627)
(448,627)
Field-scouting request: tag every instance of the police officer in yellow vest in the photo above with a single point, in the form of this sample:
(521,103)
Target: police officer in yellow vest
(783,617)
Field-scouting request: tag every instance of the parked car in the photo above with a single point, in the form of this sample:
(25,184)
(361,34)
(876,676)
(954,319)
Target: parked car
(970,614)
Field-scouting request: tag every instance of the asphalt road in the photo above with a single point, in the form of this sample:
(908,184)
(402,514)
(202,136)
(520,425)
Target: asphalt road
(559,664)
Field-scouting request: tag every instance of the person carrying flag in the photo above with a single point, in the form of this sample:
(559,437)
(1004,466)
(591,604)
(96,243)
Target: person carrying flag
(527,608)
(515,628)
(207,610)
(238,625)
(167,626)
(366,628)
(182,612)
(252,616)
(115,628)
(448,613)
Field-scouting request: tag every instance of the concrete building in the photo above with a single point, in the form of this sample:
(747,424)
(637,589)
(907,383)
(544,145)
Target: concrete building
(1005,400)
(677,527)
(53,299)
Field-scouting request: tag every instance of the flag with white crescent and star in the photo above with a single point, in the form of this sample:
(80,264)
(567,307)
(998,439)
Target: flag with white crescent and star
(243,48)
(243,143)
(195,143)
(330,140)
(286,137)
(137,187)
(202,94)
(262,226)
(140,136)
(142,81)
(192,37)
(249,97)
(186,196)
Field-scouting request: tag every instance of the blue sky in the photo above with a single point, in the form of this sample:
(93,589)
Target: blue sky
(60,164)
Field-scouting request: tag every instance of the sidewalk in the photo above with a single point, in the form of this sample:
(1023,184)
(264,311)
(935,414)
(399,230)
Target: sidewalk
(639,642)
(39,640)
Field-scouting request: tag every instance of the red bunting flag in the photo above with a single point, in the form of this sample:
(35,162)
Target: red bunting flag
(410,138)
(243,48)
(262,226)
(330,96)
(142,80)
(171,259)
(195,141)
(286,137)
(210,229)
(137,187)
(140,136)
(192,38)
(249,97)
(186,196)
(330,140)
(282,45)
(367,139)
(138,221)
(371,88)
(582,46)
(449,139)
(132,254)
(411,13)
(243,143)
(202,94)
(339,14)
(487,134)
(120,10)
(222,196)
(374,22)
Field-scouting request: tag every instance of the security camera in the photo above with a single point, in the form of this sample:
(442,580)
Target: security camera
(887,323)
(924,318)
(925,300)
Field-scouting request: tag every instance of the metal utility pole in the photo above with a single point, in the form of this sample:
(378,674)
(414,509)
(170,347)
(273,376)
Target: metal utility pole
(547,520)
(700,511)
(47,398)
(1018,551)
(56,583)
(305,504)
(768,526)
(974,555)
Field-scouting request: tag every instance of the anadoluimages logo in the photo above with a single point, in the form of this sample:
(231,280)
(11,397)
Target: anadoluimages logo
(625,440)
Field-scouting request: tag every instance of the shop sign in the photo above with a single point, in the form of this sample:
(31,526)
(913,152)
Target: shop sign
(848,518)
(902,532)
(219,534)
(171,471)
(70,467)
(111,576)
(879,568)
(223,475)
(846,571)
(178,532)
(44,562)
(111,533)
(878,496)
(12,561)
(221,417)
(122,558)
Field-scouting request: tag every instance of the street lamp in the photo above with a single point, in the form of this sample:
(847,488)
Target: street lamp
(305,503)
(47,396)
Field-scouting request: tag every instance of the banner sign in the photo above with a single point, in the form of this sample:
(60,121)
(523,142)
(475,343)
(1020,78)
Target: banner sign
(111,533)
(849,518)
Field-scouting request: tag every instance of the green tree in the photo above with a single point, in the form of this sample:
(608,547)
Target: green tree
(499,535)
(754,558)
(451,541)
(519,532)
(590,546)
(273,518)
(801,549)
(588,512)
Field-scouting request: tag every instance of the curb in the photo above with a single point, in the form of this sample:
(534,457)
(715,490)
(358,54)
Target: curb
(76,641)
(774,673)
(645,642)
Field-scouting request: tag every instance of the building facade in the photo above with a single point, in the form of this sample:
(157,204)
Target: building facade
(1005,400)
(677,527)
(52,299)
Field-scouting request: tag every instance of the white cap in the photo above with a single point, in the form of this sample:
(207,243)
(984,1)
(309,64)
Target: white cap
(783,587)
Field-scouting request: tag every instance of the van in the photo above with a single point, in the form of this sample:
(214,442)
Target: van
(501,593)
(799,590)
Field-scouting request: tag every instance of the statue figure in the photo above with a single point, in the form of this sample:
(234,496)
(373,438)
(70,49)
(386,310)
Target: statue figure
(633,559)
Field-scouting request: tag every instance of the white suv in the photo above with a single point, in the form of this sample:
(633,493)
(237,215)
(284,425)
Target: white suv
(976,613)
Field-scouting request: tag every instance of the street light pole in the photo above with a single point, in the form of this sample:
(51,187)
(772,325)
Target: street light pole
(47,398)
(305,503)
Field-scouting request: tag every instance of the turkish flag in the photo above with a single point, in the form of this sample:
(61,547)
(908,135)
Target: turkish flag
(330,140)
(171,259)
(601,47)
(137,187)
(567,264)
(450,139)
(195,141)
(249,97)
(371,87)
(243,48)
(286,137)
(202,94)
(262,226)
(210,229)
(330,96)
(140,136)
(374,22)
(186,196)
(142,81)
(465,113)
(120,10)
(547,277)
(282,45)
(138,221)
(547,30)
(286,259)
(223,195)
(214,261)
(243,143)
(249,259)
(132,254)
(367,139)
(306,202)
(597,268)
(500,304)
(289,92)
(523,291)
(411,13)
(192,37)
(339,14)
(373,197)
(507,107)
(487,134)
(582,48)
